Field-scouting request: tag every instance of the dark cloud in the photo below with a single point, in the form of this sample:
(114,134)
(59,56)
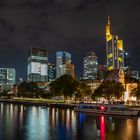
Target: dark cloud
(73,25)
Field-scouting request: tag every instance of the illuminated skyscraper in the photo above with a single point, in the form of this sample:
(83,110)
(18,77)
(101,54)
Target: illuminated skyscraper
(135,74)
(63,64)
(38,65)
(114,50)
(127,65)
(51,72)
(101,72)
(90,66)
(7,79)
(7,76)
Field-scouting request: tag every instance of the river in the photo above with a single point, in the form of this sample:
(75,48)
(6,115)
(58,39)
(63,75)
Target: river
(18,122)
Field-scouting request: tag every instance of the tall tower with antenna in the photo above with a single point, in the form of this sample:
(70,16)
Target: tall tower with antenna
(114,50)
(108,30)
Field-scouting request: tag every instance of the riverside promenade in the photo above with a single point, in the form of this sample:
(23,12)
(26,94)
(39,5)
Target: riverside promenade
(53,103)
(39,102)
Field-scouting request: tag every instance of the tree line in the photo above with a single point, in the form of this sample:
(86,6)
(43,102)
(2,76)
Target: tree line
(68,87)
(65,86)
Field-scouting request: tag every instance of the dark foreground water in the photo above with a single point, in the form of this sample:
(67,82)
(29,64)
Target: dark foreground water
(18,122)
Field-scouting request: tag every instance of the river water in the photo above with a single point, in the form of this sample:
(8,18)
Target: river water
(18,122)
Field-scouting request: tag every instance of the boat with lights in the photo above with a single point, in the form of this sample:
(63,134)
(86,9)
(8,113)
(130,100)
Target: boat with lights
(107,109)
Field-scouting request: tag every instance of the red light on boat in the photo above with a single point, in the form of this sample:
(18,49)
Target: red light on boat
(102,108)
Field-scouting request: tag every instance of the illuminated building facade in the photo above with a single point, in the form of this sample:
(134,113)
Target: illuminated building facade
(51,72)
(114,50)
(7,76)
(101,72)
(70,69)
(127,65)
(38,65)
(135,74)
(93,84)
(63,64)
(90,66)
(127,61)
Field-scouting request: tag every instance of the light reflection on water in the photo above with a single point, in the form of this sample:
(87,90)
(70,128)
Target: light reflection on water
(102,127)
(42,123)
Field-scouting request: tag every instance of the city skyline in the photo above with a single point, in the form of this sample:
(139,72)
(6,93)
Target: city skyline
(76,27)
(69,69)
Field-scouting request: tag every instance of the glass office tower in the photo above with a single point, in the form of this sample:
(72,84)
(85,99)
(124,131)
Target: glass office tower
(7,76)
(90,66)
(38,64)
(63,64)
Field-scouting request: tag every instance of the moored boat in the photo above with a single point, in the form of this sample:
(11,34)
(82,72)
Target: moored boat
(107,109)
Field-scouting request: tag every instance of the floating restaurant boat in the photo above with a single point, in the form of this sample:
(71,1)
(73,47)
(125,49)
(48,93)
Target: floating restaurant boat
(107,109)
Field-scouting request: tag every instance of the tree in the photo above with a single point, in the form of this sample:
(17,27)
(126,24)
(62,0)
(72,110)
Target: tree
(104,90)
(118,89)
(109,89)
(28,89)
(63,86)
(82,90)
(67,86)
(136,91)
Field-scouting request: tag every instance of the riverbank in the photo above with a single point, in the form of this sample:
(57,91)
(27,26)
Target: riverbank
(49,103)
(39,102)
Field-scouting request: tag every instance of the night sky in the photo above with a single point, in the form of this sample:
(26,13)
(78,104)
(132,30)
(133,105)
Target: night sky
(76,26)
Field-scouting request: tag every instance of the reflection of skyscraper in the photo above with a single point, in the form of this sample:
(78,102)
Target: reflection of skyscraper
(114,50)
(63,64)
(38,65)
(90,66)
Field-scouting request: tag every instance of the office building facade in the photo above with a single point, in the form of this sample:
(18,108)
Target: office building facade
(127,65)
(90,66)
(135,74)
(7,76)
(63,64)
(51,72)
(38,65)
(101,72)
